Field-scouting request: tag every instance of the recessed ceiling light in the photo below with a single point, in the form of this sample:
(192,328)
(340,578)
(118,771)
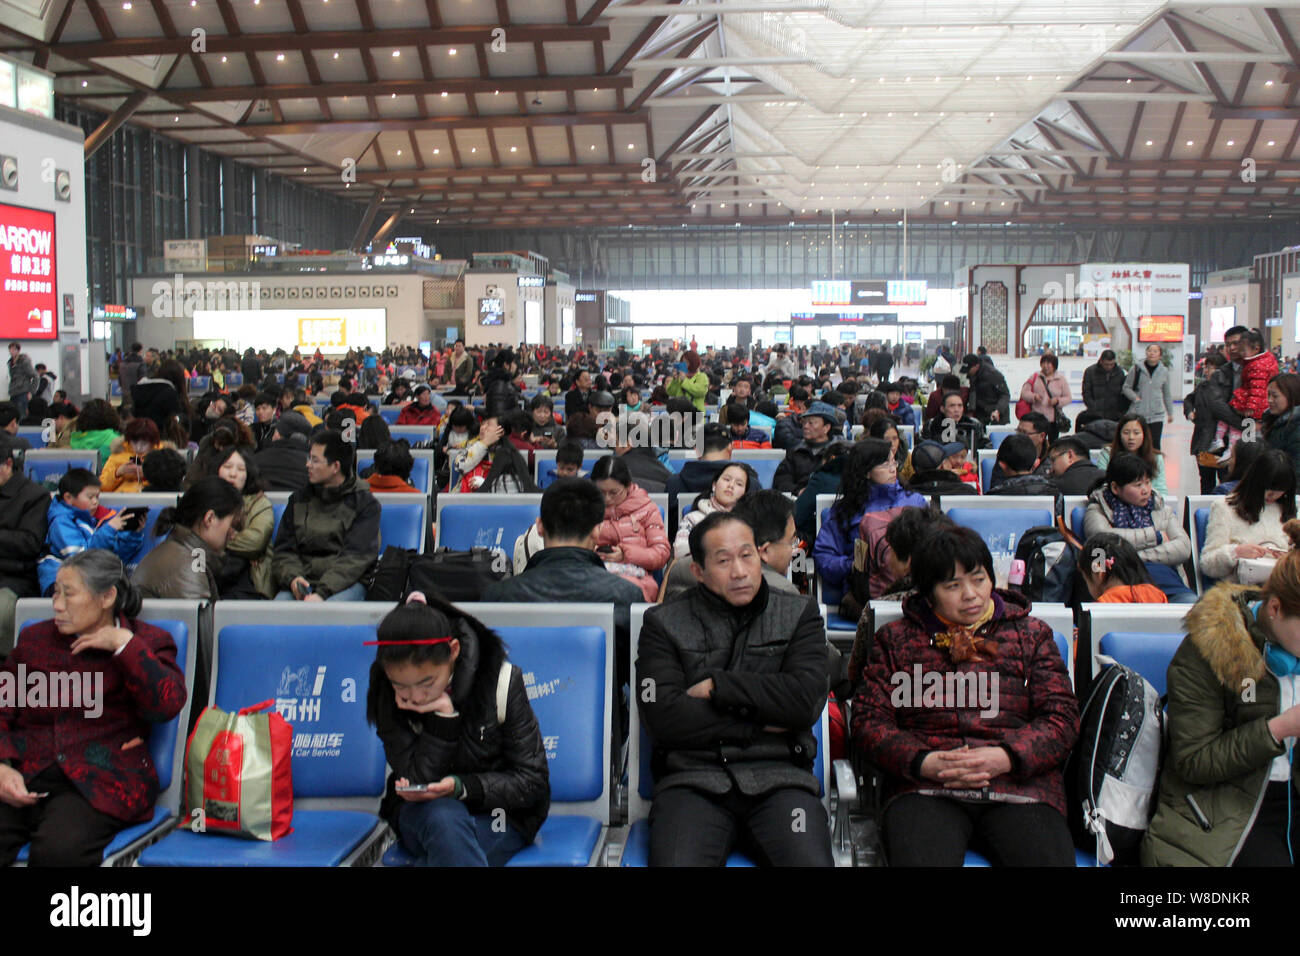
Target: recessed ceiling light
(399,152)
(392,96)
(630,146)
(451,52)
(1190,142)
(397,53)
(1231,142)
(176,119)
(84,84)
(593,149)
(443,93)
(514,149)
(127,5)
(1268,82)
(1148,142)
(223,59)
(473,149)
(279,58)
(1270,142)
(436,151)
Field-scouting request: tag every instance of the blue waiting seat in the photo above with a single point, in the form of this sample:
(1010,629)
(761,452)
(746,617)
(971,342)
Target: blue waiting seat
(35,435)
(636,850)
(48,464)
(389,413)
(167,741)
(114,389)
(1198,507)
(544,463)
(830,595)
(1082,858)
(313,663)
(154,501)
(1148,654)
(568,670)
(403,519)
(199,383)
(484,520)
(421,468)
(763,462)
(414,433)
(1001,521)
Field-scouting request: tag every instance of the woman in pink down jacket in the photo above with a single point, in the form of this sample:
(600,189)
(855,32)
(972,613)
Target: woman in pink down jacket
(632,540)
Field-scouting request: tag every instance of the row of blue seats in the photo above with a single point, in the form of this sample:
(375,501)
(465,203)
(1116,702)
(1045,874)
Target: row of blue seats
(259,651)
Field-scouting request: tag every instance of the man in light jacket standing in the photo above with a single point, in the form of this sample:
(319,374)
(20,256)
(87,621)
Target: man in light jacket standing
(1147,386)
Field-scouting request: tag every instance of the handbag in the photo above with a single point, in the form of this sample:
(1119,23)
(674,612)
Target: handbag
(454,576)
(1023,407)
(239,774)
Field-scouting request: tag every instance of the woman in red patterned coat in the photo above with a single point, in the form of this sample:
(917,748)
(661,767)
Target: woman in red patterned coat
(966,706)
(73,771)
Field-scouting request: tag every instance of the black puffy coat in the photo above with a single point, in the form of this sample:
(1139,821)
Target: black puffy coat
(500,765)
(767,661)
(500,393)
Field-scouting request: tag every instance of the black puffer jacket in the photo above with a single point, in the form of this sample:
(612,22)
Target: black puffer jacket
(500,393)
(500,765)
(798,465)
(768,665)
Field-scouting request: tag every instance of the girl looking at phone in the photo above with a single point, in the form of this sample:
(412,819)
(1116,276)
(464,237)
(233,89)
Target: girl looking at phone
(433,700)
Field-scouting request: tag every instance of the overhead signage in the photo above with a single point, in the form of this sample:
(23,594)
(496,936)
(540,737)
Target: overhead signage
(27,274)
(532,282)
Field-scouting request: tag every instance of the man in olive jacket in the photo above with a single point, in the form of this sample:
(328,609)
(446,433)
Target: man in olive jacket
(1221,749)
(329,535)
(730,679)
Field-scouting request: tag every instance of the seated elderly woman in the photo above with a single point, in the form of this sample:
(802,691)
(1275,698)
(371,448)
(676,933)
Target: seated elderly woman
(77,775)
(966,707)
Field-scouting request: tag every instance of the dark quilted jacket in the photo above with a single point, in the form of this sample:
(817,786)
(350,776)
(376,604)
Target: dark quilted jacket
(501,765)
(1037,713)
(768,665)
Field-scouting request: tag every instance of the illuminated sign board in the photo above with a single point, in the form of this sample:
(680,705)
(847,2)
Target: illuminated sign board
(27,274)
(1160,328)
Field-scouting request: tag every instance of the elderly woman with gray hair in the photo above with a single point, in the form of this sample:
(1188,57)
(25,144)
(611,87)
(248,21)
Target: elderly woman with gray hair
(74,772)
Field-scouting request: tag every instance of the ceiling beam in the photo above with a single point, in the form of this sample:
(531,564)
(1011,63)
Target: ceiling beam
(106,129)
(328,40)
(450,85)
(608,119)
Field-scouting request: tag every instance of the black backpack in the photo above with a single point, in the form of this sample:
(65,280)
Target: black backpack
(1113,773)
(453,576)
(1050,558)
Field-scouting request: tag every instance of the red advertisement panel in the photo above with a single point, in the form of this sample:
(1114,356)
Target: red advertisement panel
(27,274)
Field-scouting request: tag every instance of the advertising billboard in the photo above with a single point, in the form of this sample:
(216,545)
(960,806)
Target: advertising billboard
(28,300)
(330,330)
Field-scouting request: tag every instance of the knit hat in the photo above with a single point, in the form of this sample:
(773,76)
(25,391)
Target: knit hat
(929,455)
(293,425)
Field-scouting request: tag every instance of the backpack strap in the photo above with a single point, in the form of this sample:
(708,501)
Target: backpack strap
(503,690)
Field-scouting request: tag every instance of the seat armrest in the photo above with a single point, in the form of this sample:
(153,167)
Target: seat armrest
(846,801)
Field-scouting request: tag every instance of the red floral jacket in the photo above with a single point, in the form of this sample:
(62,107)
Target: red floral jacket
(140,686)
(1037,714)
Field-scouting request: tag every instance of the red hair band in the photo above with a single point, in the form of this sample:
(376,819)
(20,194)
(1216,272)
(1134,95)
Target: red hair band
(423,640)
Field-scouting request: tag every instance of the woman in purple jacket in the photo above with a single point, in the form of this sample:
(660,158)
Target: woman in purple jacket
(870,483)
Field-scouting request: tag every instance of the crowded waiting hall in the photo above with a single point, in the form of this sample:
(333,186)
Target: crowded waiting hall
(812,477)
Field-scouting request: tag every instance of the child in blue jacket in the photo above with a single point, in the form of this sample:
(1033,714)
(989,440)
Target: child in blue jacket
(77,523)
